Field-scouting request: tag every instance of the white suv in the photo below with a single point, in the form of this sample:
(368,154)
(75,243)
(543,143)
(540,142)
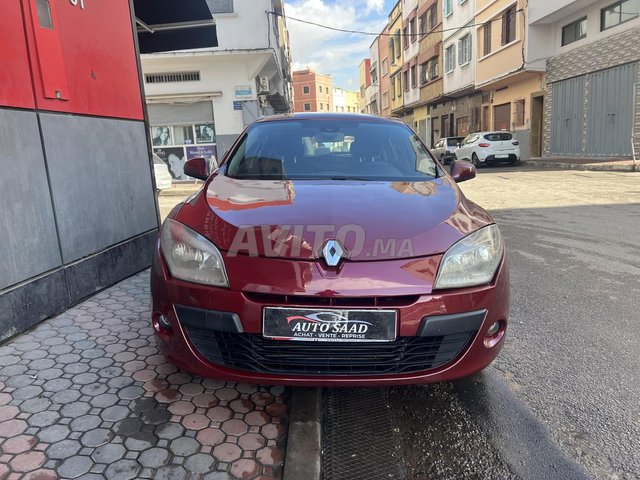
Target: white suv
(482,148)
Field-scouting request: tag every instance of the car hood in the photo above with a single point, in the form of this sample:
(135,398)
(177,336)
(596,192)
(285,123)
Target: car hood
(294,219)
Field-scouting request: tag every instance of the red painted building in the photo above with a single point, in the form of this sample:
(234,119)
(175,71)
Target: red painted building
(76,189)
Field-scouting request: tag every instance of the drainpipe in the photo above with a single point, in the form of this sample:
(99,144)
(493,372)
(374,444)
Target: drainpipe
(633,147)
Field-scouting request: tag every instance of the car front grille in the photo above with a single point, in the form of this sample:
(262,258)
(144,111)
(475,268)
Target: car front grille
(253,352)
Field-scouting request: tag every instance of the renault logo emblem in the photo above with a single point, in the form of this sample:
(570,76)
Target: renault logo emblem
(332,253)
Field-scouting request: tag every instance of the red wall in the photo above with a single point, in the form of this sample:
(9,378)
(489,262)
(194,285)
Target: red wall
(86,64)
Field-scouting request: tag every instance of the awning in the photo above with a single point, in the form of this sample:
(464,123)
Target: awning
(167,25)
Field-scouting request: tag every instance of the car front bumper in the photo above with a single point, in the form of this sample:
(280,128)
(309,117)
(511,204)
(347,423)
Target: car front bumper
(216,332)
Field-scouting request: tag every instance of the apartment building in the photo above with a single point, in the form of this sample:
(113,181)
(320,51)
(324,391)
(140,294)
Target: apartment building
(411,48)
(372,93)
(459,48)
(386,88)
(200,100)
(510,83)
(364,76)
(591,102)
(346,101)
(396,61)
(428,116)
(312,92)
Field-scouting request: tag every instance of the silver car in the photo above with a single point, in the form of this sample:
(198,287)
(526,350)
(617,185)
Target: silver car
(444,148)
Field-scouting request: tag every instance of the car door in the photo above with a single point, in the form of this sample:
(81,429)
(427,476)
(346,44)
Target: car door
(463,150)
(437,149)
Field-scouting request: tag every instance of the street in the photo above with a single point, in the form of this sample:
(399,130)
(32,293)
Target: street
(561,399)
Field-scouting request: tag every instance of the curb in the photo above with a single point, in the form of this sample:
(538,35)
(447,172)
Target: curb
(596,167)
(302,459)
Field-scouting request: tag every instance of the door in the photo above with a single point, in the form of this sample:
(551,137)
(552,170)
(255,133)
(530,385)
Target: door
(462,126)
(537,109)
(610,119)
(486,122)
(502,117)
(566,116)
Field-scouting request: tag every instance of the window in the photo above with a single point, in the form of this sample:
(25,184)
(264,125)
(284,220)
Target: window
(392,50)
(406,80)
(519,113)
(184,135)
(396,44)
(447,7)
(424,73)
(385,100)
(432,15)
(509,25)
(618,13)
(385,67)
(423,25)
(393,87)
(414,75)
(464,50)
(405,35)
(486,38)
(399,85)
(171,77)
(574,31)
(321,107)
(449,59)
(433,69)
(320,88)
(220,6)
(412,29)
(374,74)
(306,90)
(44,14)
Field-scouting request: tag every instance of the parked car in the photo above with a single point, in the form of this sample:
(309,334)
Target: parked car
(445,147)
(161,172)
(300,264)
(482,148)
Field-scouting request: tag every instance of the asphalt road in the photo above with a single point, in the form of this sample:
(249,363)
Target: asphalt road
(562,399)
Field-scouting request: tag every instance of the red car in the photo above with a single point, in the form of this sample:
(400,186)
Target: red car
(330,249)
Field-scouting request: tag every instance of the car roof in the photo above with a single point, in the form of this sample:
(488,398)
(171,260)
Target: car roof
(330,116)
(491,131)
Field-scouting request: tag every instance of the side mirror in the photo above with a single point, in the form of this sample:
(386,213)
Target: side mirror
(197,168)
(462,170)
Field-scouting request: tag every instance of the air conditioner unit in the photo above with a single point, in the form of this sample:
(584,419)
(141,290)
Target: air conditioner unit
(263,85)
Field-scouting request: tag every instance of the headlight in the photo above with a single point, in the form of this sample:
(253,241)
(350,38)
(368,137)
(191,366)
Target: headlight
(190,256)
(472,260)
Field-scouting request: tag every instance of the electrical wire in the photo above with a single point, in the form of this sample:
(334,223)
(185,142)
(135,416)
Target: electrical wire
(361,32)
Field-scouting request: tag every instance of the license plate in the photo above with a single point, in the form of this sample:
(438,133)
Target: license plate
(329,325)
(502,156)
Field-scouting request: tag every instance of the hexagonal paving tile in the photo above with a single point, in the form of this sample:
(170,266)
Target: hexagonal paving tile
(87,395)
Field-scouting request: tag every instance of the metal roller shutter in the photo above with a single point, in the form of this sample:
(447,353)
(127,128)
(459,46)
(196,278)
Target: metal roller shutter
(502,117)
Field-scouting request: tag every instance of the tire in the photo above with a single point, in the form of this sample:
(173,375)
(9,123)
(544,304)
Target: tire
(475,160)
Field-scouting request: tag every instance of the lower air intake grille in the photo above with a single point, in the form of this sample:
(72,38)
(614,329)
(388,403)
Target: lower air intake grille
(254,353)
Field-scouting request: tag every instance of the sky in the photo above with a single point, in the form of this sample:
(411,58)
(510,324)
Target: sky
(327,51)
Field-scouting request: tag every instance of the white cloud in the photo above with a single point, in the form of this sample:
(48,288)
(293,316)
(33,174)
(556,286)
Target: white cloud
(374,6)
(329,51)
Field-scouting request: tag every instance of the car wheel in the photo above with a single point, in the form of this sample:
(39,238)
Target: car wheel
(475,160)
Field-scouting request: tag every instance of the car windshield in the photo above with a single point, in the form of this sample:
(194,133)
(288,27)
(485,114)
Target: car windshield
(333,150)
(453,142)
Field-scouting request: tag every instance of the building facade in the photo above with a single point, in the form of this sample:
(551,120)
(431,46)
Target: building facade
(592,103)
(410,67)
(386,91)
(396,59)
(459,48)
(509,81)
(428,116)
(200,100)
(345,101)
(372,92)
(312,92)
(364,80)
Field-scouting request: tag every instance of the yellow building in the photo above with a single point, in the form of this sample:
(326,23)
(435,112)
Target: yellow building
(510,88)
(396,43)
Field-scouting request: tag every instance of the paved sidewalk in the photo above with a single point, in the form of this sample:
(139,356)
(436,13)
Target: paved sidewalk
(86,395)
(584,163)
